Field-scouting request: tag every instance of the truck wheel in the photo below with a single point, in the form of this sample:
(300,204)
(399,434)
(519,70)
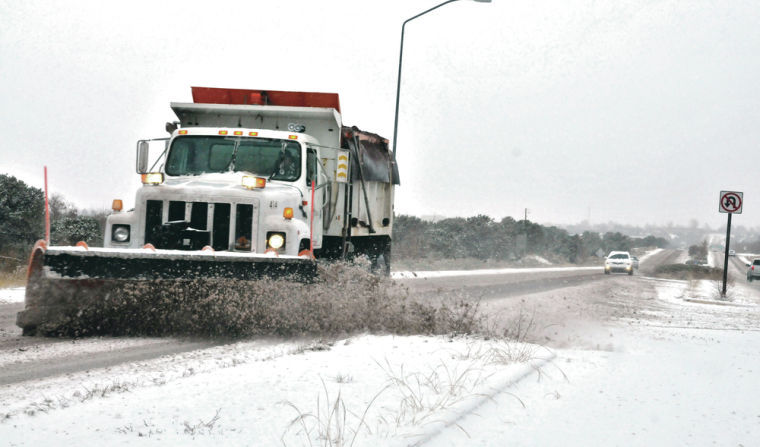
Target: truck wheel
(387,258)
(381,251)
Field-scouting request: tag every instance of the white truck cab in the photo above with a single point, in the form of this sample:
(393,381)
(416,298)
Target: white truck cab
(257,178)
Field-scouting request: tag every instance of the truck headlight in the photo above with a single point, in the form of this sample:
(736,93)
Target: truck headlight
(152,178)
(120,233)
(275,240)
(251,182)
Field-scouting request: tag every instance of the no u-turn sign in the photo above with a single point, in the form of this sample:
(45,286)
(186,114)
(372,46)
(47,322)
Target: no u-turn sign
(731,202)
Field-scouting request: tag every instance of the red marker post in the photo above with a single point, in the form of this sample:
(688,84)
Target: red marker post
(47,212)
(311,220)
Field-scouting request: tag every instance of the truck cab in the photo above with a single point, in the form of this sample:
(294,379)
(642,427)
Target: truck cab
(251,177)
(245,190)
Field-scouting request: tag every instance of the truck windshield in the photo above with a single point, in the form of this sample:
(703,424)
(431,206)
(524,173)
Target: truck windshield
(194,155)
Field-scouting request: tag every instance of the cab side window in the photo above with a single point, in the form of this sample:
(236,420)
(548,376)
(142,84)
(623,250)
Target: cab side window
(311,166)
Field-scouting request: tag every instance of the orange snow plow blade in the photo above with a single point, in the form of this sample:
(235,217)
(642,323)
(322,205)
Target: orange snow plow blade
(64,281)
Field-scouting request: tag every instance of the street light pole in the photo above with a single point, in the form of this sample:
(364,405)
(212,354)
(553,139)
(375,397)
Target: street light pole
(400,58)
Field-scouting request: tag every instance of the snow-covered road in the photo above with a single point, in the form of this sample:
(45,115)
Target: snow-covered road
(619,361)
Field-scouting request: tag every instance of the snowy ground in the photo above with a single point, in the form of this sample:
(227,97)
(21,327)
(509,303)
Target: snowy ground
(407,386)
(672,367)
(501,271)
(14,295)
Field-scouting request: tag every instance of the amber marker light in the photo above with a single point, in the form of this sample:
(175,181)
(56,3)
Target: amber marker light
(293,137)
(287,213)
(253,134)
(152,178)
(182,132)
(223,132)
(238,132)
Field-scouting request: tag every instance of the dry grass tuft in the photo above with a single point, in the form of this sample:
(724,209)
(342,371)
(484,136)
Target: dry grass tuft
(332,424)
(413,399)
(16,278)
(201,427)
(688,272)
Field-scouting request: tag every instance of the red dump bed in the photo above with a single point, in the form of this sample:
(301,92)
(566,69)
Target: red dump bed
(211,95)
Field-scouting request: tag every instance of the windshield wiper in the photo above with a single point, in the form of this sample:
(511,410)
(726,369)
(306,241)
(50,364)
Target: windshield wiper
(231,164)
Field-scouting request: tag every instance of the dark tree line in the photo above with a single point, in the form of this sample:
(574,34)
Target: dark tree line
(481,237)
(22,222)
(22,217)
(699,251)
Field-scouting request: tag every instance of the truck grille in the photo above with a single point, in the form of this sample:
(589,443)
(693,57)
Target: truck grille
(186,227)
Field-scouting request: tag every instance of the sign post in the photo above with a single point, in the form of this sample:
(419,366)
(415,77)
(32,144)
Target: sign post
(730,202)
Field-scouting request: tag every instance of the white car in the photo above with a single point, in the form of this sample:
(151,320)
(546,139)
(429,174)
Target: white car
(618,261)
(753,270)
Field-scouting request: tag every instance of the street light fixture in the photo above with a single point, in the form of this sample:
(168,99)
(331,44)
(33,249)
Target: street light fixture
(400,56)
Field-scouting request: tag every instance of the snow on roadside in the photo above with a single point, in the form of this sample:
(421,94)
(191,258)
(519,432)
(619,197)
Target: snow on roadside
(408,386)
(745,260)
(649,254)
(13,295)
(502,271)
(658,387)
(539,259)
(711,259)
(18,400)
(68,348)
(682,257)
(505,271)
(704,291)
(698,381)
(696,304)
(270,393)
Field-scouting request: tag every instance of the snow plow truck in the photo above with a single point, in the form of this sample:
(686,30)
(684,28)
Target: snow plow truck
(250,184)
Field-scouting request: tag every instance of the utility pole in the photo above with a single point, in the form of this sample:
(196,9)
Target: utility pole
(725,258)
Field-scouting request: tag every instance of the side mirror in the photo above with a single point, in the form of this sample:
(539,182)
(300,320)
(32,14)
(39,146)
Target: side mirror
(142,157)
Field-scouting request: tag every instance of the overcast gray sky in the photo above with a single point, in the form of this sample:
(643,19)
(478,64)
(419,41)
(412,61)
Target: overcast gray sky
(629,111)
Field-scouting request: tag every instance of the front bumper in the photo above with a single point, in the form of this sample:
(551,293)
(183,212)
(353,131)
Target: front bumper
(618,268)
(148,264)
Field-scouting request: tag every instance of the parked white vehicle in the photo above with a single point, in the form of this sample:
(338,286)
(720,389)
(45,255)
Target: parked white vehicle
(753,270)
(618,261)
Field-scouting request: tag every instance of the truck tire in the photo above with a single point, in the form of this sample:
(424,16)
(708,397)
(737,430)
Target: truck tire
(382,250)
(387,258)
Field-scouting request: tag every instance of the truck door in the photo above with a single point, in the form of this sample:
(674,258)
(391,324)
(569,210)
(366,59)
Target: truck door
(316,174)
